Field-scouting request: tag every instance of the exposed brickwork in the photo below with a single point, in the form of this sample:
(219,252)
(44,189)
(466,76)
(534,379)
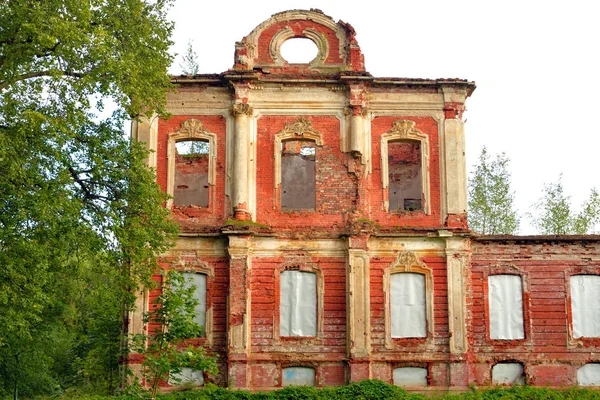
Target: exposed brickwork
(349,239)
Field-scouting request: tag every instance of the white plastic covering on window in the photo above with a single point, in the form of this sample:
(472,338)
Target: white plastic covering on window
(199,280)
(506,307)
(298,303)
(585,305)
(187,376)
(299,376)
(407,305)
(589,375)
(410,376)
(508,374)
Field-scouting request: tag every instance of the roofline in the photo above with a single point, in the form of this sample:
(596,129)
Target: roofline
(537,238)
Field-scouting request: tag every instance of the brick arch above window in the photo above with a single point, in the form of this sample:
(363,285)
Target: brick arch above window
(404,130)
(191,129)
(408,262)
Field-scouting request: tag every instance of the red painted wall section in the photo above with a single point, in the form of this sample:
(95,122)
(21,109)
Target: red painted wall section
(335,187)
(194,218)
(549,352)
(265,312)
(377,194)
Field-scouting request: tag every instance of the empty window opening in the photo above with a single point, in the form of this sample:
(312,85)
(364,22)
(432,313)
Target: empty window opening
(191,173)
(298,303)
(585,305)
(405,176)
(187,376)
(589,375)
(410,376)
(506,307)
(298,376)
(298,174)
(408,305)
(508,373)
(299,51)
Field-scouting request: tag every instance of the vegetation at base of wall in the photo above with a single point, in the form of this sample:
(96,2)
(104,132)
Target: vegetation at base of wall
(369,390)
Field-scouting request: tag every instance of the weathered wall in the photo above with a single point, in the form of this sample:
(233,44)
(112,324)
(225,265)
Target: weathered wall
(549,352)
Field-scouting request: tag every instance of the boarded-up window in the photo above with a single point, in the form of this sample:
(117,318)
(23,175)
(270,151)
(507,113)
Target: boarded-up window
(589,375)
(407,305)
(298,303)
(199,281)
(506,307)
(186,376)
(405,176)
(410,376)
(190,187)
(506,373)
(585,305)
(298,174)
(298,376)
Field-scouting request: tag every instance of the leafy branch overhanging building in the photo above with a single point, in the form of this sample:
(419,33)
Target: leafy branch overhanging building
(323,217)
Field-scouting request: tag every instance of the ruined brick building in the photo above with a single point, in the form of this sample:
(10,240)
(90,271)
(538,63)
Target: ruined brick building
(323,220)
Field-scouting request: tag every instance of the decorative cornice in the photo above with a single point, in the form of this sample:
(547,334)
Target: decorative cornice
(241,109)
(192,126)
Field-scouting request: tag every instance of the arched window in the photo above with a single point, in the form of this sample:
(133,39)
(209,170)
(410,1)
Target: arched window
(198,280)
(508,373)
(298,174)
(589,375)
(408,310)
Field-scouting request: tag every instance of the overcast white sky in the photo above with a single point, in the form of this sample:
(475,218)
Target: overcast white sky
(536,65)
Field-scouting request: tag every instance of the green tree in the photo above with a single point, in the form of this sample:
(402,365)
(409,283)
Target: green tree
(491,200)
(189,64)
(555,214)
(75,197)
(173,312)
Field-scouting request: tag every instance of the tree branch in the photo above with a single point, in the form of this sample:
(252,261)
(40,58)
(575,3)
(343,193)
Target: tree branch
(37,74)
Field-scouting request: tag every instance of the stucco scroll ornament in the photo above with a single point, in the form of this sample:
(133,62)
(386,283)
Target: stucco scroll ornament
(408,259)
(404,129)
(299,127)
(192,126)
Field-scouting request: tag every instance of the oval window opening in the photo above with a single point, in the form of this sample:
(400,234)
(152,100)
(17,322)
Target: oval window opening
(299,51)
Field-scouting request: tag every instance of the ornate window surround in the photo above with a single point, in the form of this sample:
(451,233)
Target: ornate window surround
(301,129)
(191,129)
(407,261)
(201,267)
(405,130)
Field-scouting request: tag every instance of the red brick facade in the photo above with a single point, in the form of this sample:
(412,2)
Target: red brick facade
(352,242)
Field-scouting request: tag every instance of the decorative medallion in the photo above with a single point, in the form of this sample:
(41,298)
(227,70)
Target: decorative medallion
(298,127)
(192,126)
(404,128)
(408,259)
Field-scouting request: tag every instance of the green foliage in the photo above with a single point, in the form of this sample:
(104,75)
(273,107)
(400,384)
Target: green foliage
(190,66)
(491,200)
(377,390)
(80,215)
(556,217)
(173,312)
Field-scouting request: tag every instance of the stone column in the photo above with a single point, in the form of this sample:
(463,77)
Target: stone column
(359,308)
(454,158)
(240,175)
(457,263)
(238,317)
(145,131)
